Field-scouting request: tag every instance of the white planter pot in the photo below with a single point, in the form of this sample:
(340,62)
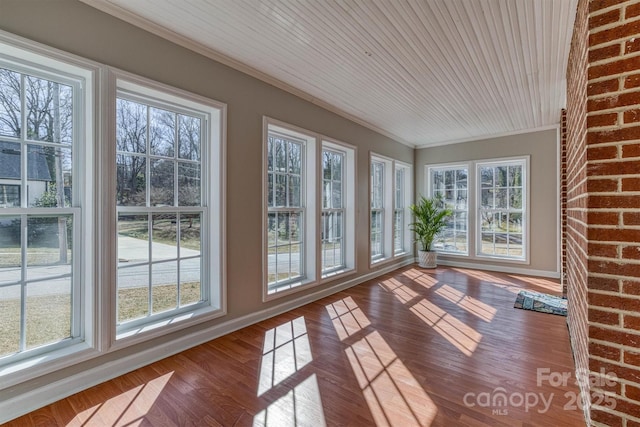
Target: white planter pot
(428,259)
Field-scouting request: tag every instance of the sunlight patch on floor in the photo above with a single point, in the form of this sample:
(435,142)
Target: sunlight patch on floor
(126,409)
(300,407)
(463,337)
(286,350)
(394,396)
(347,317)
(470,304)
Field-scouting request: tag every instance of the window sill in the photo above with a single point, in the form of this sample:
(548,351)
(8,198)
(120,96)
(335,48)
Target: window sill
(164,326)
(291,288)
(32,367)
(334,275)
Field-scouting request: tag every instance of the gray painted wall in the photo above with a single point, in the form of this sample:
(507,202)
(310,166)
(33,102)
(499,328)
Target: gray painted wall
(82,30)
(542,147)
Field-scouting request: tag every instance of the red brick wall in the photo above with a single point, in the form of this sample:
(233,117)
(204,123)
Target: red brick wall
(603,206)
(575,172)
(563,200)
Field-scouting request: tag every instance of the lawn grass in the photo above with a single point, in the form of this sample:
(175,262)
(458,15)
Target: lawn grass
(49,316)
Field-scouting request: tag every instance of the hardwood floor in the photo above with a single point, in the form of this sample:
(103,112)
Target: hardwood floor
(415,347)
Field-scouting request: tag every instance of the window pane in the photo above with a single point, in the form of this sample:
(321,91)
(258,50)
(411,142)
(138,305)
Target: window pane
(164,289)
(49,110)
(501,201)
(377,182)
(280,155)
(10,174)
(295,191)
(189,137)
(515,245)
(336,196)
(501,176)
(133,239)
(49,244)
(11,258)
(48,311)
(131,126)
(49,176)
(487,198)
(190,234)
(10,105)
(461,200)
(131,180)
(270,154)
(189,184)
(515,176)
(10,324)
(515,198)
(515,222)
(162,132)
(295,157)
(332,256)
(133,293)
(133,267)
(164,237)
(486,177)
(326,194)
(337,166)
(190,284)
(162,173)
(270,190)
(281,190)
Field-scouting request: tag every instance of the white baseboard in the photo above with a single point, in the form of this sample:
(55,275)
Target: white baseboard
(499,268)
(48,393)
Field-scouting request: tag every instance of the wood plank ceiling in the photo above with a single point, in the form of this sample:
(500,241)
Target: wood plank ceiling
(426,72)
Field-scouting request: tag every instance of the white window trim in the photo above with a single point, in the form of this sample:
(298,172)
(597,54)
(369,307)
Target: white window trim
(407,197)
(474,234)
(312,202)
(29,56)
(470,197)
(525,211)
(388,209)
(214,175)
(349,201)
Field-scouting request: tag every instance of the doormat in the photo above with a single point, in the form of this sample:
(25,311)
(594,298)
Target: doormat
(544,303)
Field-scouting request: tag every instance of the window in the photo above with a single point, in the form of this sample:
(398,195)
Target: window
(286,210)
(450,183)
(297,226)
(333,210)
(389,208)
(45,204)
(168,201)
(377,209)
(493,201)
(338,208)
(501,212)
(401,213)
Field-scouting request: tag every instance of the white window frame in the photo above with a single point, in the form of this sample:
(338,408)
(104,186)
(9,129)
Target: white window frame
(348,207)
(388,209)
(314,144)
(309,206)
(402,208)
(213,195)
(34,59)
(474,232)
(524,163)
(447,167)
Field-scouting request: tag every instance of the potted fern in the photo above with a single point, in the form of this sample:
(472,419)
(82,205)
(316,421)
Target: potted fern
(430,218)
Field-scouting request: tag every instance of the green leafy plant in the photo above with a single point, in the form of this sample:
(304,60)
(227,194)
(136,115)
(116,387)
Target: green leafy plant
(430,219)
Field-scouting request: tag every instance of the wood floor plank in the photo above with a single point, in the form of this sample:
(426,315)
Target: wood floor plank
(413,347)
